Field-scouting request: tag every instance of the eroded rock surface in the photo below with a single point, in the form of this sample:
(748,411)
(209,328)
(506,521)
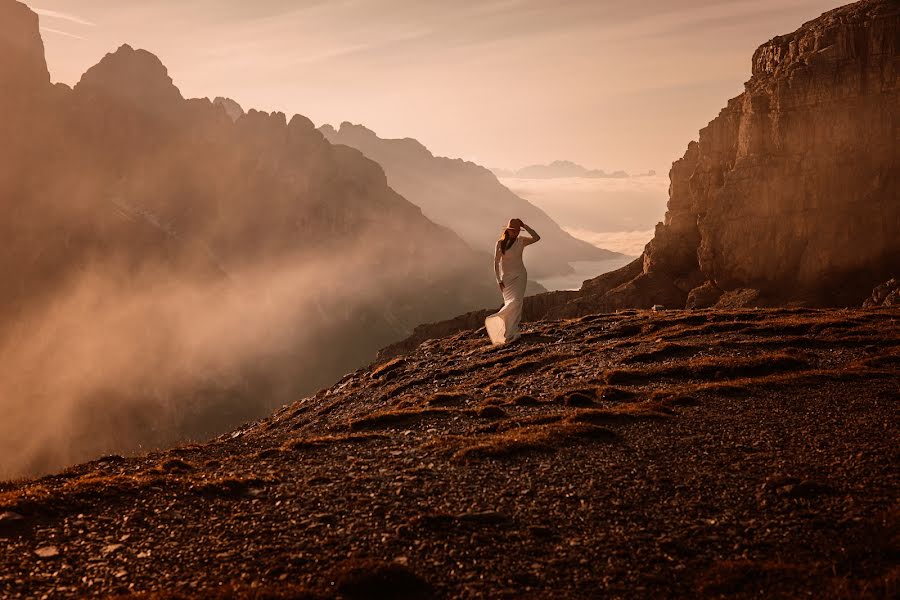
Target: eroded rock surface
(798,193)
(886,294)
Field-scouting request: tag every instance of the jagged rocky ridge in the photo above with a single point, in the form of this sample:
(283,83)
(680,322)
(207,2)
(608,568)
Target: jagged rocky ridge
(467,198)
(133,214)
(709,454)
(790,196)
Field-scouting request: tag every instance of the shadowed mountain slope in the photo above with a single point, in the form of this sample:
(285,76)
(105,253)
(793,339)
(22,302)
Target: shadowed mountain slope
(467,198)
(679,455)
(169,273)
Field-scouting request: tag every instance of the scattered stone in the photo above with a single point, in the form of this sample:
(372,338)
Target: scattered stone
(47,551)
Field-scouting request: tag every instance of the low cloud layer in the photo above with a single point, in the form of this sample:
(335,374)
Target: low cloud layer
(615,214)
(121,363)
(629,243)
(598,205)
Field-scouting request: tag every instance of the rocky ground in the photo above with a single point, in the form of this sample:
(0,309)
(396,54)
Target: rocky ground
(676,454)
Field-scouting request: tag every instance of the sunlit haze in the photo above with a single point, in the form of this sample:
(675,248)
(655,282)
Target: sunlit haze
(611,85)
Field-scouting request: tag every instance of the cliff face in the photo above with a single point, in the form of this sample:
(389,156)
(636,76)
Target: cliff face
(465,197)
(793,188)
(22,50)
(234,261)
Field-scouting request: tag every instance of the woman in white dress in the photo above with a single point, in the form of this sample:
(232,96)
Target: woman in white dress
(503,326)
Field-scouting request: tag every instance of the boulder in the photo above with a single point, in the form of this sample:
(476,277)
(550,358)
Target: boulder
(740,298)
(886,294)
(704,296)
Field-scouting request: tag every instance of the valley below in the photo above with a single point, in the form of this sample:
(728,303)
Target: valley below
(582,270)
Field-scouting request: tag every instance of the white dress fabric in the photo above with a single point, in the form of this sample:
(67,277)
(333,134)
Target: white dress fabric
(503,326)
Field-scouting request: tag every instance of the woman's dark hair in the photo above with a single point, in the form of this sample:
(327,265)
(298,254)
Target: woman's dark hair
(506,241)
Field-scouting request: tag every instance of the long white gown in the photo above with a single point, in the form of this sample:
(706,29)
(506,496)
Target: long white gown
(503,326)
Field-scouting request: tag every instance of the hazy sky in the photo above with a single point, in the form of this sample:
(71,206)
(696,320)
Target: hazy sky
(612,84)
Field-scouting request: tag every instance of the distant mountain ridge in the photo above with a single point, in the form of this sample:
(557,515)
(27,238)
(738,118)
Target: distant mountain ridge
(467,198)
(559,169)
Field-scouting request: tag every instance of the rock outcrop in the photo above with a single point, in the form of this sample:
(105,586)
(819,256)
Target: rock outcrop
(467,198)
(791,195)
(135,78)
(794,189)
(22,50)
(171,267)
(232,108)
(886,294)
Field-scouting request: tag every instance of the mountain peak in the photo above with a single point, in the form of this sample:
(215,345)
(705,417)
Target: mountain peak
(137,76)
(22,63)
(234,110)
(837,36)
(348,128)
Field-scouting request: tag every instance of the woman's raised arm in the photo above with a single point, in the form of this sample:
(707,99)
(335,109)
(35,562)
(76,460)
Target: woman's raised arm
(534,235)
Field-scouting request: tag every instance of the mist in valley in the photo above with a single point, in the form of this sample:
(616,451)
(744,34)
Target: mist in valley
(121,363)
(618,214)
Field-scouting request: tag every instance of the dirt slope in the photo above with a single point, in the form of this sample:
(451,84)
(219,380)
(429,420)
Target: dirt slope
(639,454)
